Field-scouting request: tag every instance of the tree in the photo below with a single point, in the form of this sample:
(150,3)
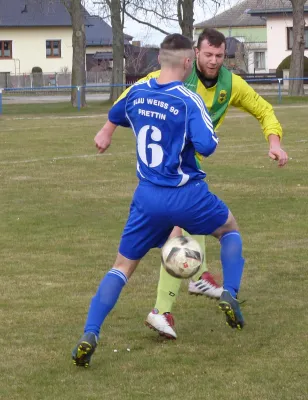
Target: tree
(185,11)
(139,61)
(153,13)
(296,87)
(77,13)
(116,8)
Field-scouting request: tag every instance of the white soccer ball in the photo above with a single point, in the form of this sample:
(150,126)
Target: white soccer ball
(182,256)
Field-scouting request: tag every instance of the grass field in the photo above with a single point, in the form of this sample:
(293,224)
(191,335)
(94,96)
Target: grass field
(63,210)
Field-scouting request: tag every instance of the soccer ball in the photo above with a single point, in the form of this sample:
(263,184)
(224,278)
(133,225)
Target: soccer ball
(182,256)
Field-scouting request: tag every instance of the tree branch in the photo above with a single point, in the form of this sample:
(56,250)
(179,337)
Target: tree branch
(180,12)
(154,12)
(146,23)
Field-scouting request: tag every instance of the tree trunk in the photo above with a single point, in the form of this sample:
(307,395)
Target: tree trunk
(185,11)
(79,52)
(117,48)
(296,87)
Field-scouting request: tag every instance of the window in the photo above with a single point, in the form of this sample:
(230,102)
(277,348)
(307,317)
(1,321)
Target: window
(259,59)
(290,38)
(5,49)
(53,48)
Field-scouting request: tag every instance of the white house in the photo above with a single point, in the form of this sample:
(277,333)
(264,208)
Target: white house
(279,28)
(39,34)
(237,23)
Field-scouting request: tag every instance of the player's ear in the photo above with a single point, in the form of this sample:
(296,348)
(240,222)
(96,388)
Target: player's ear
(188,62)
(197,52)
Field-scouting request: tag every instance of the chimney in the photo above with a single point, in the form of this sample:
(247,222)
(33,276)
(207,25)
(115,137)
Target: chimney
(136,43)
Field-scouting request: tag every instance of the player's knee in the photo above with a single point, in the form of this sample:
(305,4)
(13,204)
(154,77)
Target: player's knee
(231,223)
(125,265)
(229,226)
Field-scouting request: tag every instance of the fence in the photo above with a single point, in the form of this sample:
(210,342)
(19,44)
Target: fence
(100,92)
(37,80)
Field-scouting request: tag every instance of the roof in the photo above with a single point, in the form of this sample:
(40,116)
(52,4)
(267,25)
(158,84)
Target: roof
(235,16)
(37,13)
(99,33)
(274,7)
(33,13)
(233,45)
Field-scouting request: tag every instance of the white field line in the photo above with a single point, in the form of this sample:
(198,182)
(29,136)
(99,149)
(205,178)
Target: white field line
(34,160)
(276,107)
(56,117)
(53,159)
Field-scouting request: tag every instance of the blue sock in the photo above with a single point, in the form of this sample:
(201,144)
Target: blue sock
(232,261)
(104,300)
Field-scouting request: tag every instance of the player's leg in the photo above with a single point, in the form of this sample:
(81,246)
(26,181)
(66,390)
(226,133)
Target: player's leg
(101,304)
(147,227)
(232,262)
(160,318)
(203,283)
(210,216)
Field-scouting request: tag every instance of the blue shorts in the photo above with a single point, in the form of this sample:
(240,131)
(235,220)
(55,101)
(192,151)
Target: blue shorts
(155,210)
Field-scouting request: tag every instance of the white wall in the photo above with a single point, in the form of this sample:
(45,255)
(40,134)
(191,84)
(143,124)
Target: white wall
(277,43)
(29,46)
(251,49)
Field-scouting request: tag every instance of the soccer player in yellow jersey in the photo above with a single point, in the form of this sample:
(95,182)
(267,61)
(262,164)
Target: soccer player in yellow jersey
(219,89)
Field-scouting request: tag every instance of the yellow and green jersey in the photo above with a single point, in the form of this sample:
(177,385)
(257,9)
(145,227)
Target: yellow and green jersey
(230,89)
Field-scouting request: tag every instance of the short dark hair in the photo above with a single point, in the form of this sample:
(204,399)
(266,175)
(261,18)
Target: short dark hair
(176,41)
(213,36)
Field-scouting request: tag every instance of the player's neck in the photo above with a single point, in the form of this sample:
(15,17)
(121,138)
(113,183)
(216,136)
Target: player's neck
(168,75)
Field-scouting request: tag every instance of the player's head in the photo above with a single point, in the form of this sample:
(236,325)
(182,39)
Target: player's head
(210,52)
(176,53)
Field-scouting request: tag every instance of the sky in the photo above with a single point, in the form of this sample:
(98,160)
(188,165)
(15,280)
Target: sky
(151,36)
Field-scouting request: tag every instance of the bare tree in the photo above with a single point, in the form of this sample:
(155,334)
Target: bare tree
(153,13)
(77,13)
(139,61)
(185,11)
(134,58)
(115,9)
(296,87)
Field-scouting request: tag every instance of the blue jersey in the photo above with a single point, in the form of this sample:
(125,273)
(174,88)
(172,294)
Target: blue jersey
(170,123)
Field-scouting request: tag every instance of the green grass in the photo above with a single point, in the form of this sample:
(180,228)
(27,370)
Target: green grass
(63,210)
(96,107)
(55,108)
(285,99)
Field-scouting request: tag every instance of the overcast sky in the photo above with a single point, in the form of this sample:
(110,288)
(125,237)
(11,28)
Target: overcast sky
(151,36)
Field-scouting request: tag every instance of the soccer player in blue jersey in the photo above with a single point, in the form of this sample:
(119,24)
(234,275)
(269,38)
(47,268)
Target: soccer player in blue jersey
(170,123)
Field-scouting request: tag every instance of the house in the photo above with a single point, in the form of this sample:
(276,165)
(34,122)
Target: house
(140,61)
(99,44)
(278,15)
(39,34)
(236,22)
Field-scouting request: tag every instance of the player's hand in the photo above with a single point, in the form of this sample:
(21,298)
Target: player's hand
(276,153)
(102,141)
(103,138)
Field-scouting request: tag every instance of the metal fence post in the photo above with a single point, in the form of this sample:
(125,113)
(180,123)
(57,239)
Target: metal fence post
(1,101)
(279,90)
(78,98)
